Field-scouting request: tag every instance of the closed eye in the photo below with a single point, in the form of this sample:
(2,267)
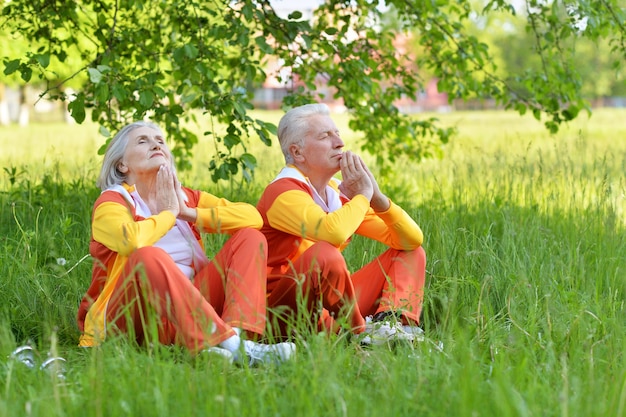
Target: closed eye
(159,139)
(329,133)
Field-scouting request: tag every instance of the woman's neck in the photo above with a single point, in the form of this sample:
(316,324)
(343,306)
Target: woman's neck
(147,191)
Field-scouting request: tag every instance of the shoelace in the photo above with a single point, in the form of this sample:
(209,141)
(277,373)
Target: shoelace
(386,315)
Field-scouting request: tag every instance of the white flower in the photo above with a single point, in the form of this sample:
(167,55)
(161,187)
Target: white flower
(61,261)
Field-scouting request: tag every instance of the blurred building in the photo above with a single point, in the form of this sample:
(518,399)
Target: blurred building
(281,81)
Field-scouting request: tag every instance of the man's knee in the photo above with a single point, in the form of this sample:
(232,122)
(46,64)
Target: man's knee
(420,254)
(327,257)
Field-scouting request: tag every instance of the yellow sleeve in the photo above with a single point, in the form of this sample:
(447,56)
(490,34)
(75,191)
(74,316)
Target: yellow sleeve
(218,215)
(114,227)
(296,213)
(394,227)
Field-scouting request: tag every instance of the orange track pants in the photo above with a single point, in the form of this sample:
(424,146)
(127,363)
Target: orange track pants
(228,292)
(320,278)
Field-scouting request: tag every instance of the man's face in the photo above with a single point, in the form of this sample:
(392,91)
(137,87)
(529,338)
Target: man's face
(322,147)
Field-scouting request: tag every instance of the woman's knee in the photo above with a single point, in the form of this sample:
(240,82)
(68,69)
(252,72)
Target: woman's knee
(151,262)
(146,253)
(249,238)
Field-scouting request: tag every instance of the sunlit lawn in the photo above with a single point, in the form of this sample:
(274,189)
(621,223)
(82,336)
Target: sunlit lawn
(526,260)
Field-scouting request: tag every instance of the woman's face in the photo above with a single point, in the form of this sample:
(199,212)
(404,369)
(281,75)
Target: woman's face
(145,152)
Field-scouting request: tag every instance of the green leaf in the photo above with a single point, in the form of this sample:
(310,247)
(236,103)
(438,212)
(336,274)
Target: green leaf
(26,72)
(571,112)
(231,140)
(552,126)
(239,108)
(42,59)
(104,131)
(247,10)
(261,42)
(95,76)
(119,92)
(190,51)
(102,93)
(248,160)
(11,66)
(146,98)
(77,108)
(264,137)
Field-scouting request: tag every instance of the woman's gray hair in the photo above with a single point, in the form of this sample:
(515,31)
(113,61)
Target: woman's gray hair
(294,126)
(109,174)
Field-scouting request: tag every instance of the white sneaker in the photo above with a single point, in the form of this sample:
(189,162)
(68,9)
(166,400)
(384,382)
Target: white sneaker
(381,332)
(417,332)
(260,353)
(220,352)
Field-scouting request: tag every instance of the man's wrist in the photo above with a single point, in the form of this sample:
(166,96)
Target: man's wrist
(380,203)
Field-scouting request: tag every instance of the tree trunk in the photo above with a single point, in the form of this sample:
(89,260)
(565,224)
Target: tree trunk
(23,115)
(5,118)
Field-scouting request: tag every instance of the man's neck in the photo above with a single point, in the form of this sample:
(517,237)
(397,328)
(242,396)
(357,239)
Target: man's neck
(319,182)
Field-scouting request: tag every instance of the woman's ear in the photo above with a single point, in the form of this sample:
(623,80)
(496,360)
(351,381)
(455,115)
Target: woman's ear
(121,167)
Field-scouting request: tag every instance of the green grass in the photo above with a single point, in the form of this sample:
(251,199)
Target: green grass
(526,260)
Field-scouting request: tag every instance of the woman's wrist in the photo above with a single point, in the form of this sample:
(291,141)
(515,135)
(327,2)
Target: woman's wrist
(190,214)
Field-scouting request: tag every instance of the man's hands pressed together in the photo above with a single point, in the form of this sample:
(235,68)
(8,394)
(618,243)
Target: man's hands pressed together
(358,179)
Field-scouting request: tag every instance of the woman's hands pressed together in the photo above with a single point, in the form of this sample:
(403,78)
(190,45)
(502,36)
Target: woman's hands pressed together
(165,193)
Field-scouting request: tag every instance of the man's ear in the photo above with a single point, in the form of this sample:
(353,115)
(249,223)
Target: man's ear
(296,153)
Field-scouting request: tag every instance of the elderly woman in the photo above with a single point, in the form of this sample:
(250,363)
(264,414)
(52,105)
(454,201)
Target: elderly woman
(151,277)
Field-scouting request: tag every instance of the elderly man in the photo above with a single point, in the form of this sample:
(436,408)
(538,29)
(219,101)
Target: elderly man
(309,217)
